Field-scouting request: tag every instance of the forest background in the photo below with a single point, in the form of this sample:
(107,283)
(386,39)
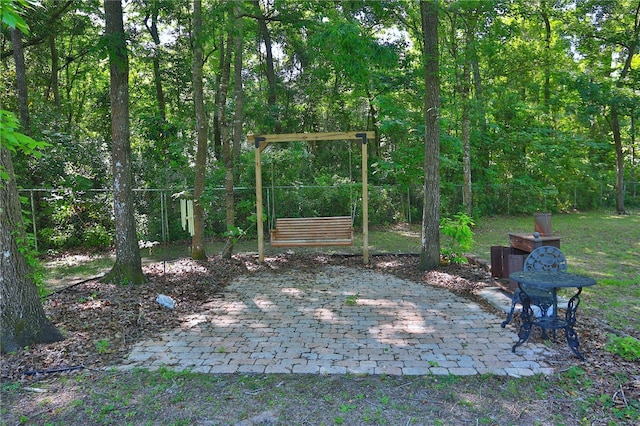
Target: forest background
(539,102)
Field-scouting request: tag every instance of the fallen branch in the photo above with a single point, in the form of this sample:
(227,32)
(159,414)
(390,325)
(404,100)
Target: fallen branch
(622,395)
(54,370)
(73,285)
(609,329)
(37,390)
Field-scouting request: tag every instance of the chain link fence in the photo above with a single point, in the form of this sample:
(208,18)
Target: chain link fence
(64,218)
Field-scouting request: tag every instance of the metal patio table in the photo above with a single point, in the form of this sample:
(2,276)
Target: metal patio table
(548,318)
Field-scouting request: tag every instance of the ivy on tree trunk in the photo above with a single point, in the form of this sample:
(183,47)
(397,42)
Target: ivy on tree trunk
(22,318)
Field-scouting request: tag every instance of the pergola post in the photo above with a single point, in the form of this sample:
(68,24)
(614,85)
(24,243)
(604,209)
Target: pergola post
(259,207)
(365,199)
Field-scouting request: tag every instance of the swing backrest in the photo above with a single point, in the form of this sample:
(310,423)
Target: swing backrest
(312,231)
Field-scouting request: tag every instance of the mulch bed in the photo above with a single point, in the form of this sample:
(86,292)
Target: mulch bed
(102,321)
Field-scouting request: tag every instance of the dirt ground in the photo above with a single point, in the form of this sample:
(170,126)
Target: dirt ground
(101,322)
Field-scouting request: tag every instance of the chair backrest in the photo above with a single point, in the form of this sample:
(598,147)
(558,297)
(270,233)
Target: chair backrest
(546,258)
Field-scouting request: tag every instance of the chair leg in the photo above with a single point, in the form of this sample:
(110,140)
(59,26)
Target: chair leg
(527,323)
(572,341)
(514,300)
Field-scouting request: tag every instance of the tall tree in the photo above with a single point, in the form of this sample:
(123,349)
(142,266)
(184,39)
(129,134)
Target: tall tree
(54,84)
(608,36)
(197,242)
(272,91)
(480,115)
(231,151)
(544,14)
(461,57)
(128,266)
(155,36)
(430,250)
(23,321)
(630,44)
(217,132)
(21,79)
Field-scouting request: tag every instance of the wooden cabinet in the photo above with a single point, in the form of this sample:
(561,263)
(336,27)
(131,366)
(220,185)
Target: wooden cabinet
(526,243)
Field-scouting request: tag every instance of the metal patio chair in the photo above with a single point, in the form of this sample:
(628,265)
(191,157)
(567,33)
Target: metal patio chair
(544,258)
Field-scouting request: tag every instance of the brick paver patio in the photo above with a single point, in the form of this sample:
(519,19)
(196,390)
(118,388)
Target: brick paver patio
(340,320)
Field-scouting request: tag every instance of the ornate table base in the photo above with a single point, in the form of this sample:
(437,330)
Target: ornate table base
(551,322)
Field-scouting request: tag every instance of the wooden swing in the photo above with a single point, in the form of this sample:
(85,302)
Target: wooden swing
(313,231)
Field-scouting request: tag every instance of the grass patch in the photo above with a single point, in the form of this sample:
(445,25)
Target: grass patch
(352,300)
(616,301)
(78,267)
(601,244)
(166,397)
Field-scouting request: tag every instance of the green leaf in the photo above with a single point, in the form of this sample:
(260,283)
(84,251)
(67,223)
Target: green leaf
(10,11)
(15,141)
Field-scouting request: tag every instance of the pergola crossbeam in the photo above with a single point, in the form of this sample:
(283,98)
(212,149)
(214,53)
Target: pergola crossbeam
(305,137)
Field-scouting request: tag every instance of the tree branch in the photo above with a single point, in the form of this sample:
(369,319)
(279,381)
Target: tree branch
(40,39)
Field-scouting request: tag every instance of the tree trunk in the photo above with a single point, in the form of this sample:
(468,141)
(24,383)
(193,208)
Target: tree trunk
(225,74)
(21,80)
(22,319)
(197,242)
(617,140)
(238,113)
(547,56)
(54,83)
(157,77)
(230,152)
(272,95)
(217,134)
(373,113)
(480,122)
(614,121)
(127,268)
(430,250)
(467,193)
(632,131)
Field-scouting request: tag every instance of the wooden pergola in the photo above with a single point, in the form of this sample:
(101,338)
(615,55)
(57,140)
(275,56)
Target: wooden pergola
(262,141)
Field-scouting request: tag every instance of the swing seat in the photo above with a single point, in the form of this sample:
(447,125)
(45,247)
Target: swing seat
(312,232)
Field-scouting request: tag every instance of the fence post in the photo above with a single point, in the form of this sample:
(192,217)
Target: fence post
(33,220)
(408,204)
(163,217)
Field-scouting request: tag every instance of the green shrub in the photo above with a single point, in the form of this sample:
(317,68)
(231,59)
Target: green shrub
(459,237)
(58,237)
(97,236)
